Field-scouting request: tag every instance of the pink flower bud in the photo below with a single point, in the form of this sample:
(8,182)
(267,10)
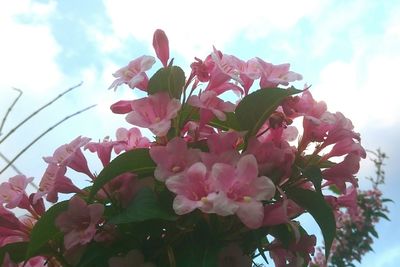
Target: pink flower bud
(160,44)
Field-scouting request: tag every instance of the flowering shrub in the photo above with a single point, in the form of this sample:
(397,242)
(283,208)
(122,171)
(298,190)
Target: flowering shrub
(356,229)
(222,182)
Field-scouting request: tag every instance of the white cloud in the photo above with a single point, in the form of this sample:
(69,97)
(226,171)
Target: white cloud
(193,29)
(28,50)
(365,88)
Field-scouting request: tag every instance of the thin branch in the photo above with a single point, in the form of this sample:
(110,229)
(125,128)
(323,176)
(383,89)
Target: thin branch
(8,162)
(10,108)
(43,134)
(38,110)
(16,169)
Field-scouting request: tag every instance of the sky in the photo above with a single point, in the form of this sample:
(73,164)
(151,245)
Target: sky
(347,50)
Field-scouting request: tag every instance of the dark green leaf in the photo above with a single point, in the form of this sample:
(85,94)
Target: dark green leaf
(387,200)
(170,79)
(284,233)
(16,251)
(373,232)
(335,189)
(137,161)
(316,205)
(314,174)
(45,229)
(262,254)
(255,108)
(230,123)
(316,160)
(95,255)
(383,215)
(144,207)
(198,256)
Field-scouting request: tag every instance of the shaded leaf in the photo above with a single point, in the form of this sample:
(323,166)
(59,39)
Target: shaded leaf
(170,79)
(95,255)
(45,229)
(144,207)
(316,160)
(316,205)
(382,215)
(255,108)
(373,232)
(314,174)
(16,251)
(137,161)
(284,233)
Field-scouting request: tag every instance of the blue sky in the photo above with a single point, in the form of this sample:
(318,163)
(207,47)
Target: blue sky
(347,50)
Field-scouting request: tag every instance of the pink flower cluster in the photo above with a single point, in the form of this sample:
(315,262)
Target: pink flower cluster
(205,167)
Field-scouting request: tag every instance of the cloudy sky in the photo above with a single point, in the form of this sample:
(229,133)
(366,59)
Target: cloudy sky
(347,50)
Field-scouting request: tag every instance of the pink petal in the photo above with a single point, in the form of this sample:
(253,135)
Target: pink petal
(251,214)
(160,44)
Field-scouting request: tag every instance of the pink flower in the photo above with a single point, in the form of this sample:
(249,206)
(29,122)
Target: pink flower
(192,131)
(192,188)
(350,201)
(280,212)
(38,261)
(123,188)
(70,155)
(154,112)
(222,68)
(160,44)
(130,139)
(274,155)
(11,228)
(210,105)
(222,148)
(273,75)
(133,258)
(121,107)
(103,149)
(79,222)
(13,192)
(53,182)
(173,158)
(240,190)
(200,70)
(134,74)
(343,172)
(344,147)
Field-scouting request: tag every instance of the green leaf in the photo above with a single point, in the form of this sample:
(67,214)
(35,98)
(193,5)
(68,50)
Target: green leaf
(382,215)
(316,160)
(335,189)
(198,256)
(255,108)
(16,251)
(283,232)
(170,79)
(316,205)
(314,174)
(144,207)
(373,232)
(387,200)
(137,161)
(95,255)
(45,229)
